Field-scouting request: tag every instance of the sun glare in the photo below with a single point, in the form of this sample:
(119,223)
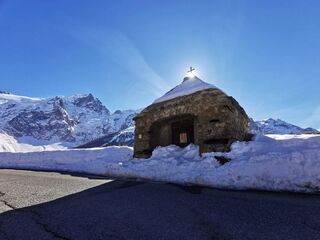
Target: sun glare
(191,73)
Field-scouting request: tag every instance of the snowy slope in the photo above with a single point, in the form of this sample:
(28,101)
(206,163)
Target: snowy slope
(272,126)
(276,162)
(10,144)
(188,86)
(122,138)
(69,121)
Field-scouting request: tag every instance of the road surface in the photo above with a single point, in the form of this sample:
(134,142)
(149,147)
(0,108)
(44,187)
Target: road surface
(42,205)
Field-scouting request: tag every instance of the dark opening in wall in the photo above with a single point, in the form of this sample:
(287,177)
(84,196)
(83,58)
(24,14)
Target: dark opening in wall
(217,141)
(214,121)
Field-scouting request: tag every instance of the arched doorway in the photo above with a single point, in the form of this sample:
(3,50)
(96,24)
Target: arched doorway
(183,132)
(177,130)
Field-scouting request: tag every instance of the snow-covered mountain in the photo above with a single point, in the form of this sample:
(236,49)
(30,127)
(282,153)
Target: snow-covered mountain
(82,120)
(70,121)
(122,138)
(277,126)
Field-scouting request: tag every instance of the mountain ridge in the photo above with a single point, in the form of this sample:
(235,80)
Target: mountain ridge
(71,120)
(278,126)
(83,120)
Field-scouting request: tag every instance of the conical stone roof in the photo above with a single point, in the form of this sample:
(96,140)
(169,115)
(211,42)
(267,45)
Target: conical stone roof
(188,86)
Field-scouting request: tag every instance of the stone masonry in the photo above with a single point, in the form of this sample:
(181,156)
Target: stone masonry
(217,121)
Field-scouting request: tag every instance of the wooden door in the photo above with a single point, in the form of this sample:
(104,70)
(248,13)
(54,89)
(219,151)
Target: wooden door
(182,132)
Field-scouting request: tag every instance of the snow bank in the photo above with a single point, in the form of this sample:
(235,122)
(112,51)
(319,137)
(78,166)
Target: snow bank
(93,160)
(274,162)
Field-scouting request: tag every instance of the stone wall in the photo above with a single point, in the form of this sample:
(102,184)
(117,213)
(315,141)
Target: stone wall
(218,121)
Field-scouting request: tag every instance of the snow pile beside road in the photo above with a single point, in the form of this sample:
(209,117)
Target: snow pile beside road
(174,164)
(93,160)
(273,162)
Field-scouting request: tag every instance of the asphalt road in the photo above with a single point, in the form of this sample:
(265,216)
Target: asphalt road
(41,205)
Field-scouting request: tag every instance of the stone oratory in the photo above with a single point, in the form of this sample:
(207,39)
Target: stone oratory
(192,112)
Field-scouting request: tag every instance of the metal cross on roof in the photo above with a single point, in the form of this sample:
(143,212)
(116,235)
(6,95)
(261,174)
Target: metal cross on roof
(191,70)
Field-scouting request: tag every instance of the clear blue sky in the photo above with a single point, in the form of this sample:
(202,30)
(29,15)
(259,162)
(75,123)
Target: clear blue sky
(264,53)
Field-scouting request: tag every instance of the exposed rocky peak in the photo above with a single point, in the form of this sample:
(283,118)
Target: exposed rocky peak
(41,124)
(90,102)
(57,102)
(70,120)
(4,92)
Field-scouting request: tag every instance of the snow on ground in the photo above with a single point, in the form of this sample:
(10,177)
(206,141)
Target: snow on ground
(274,162)
(291,136)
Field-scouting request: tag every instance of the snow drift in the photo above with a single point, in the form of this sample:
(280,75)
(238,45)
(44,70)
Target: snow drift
(274,162)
